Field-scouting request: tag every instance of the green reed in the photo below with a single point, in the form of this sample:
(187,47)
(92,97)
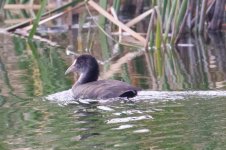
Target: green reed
(38,17)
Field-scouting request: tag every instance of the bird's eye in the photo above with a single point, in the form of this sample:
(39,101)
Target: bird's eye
(81,62)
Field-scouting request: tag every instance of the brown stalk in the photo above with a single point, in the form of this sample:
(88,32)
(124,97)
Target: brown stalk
(118,23)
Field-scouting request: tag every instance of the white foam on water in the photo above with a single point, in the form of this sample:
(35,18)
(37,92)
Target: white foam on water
(177,95)
(121,127)
(66,97)
(128,119)
(105,108)
(141,131)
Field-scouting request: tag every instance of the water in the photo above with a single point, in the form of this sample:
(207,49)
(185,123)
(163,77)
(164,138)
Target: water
(192,123)
(182,107)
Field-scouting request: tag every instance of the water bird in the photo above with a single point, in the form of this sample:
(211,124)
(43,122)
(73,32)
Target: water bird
(89,87)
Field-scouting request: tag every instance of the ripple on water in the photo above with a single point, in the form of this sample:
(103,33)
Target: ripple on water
(156,119)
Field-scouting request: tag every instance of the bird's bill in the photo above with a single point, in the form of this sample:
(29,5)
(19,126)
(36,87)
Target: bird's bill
(71,68)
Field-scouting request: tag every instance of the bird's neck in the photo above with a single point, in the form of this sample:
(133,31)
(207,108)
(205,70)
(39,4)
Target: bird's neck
(86,77)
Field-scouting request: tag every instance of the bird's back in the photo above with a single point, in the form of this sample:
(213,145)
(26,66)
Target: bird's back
(103,89)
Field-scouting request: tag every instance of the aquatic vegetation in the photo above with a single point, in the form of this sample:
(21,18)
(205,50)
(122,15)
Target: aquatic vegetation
(172,18)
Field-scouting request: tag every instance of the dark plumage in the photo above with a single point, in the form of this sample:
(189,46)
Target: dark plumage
(87,85)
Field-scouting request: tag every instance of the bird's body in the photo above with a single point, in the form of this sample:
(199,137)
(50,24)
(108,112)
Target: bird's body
(104,89)
(89,87)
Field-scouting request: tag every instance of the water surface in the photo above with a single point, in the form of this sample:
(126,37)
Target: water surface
(182,105)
